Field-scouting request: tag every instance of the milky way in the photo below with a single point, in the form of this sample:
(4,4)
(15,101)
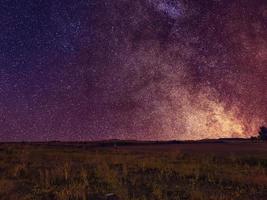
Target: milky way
(143,69)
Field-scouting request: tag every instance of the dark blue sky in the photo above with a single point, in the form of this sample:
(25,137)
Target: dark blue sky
(85,70)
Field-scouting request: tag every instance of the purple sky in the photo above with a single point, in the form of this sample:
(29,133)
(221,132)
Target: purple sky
(157,70)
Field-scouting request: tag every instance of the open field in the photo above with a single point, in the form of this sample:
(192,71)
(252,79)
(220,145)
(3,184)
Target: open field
(222,170)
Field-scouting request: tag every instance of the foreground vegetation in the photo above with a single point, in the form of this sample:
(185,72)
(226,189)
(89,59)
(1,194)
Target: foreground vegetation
(46,172)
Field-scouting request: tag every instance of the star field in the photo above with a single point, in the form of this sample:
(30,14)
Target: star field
(145,69)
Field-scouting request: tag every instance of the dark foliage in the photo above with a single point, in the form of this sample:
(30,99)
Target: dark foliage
(263,133)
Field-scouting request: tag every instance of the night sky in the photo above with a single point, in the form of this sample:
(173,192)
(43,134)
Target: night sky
(132,69)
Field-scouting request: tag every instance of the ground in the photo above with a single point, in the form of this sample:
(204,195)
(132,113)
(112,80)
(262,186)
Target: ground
(222,170)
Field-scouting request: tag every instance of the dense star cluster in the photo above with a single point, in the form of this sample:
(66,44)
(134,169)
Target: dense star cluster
(143,69)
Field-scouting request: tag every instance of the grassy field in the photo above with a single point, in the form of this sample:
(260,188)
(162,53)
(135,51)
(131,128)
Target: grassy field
(203,171)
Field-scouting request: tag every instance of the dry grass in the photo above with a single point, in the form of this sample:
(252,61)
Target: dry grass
(67,173)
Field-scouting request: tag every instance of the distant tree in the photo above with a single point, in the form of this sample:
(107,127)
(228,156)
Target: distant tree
(263,133)
(253,138)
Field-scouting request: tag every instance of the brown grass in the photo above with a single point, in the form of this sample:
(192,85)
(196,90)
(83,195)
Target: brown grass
(153,172)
